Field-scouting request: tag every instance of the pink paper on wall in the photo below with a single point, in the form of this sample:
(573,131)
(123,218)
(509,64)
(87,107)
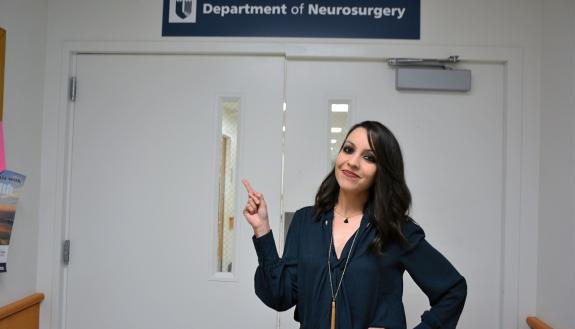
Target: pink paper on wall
(2,156)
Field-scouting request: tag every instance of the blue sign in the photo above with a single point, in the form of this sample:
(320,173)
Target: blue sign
(389,19)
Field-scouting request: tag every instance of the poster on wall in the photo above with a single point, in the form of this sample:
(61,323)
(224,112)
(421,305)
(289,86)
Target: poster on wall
(10,186)
(387,19)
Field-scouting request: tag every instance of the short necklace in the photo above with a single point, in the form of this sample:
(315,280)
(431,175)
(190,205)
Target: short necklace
(346,218)
(334,295)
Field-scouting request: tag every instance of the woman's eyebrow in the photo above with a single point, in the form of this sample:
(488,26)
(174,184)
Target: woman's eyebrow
(368,150)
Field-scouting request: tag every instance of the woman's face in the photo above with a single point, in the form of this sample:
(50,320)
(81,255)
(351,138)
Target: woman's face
(355,165)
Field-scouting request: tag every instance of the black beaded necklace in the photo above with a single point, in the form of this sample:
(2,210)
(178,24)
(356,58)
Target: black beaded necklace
(346,218)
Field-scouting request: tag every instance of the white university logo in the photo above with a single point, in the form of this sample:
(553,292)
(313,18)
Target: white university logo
(183,11)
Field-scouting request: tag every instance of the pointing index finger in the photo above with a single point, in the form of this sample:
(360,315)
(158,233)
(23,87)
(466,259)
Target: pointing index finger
(248,186)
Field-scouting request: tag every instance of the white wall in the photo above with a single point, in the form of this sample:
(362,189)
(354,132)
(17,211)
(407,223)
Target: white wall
(25,23)
(516,23)
(502,23)
(556,267)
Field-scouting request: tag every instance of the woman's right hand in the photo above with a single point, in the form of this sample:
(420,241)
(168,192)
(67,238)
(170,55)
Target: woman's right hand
(256,211)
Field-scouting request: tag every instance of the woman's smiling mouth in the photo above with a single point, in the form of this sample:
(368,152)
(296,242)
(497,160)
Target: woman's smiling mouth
(349,174)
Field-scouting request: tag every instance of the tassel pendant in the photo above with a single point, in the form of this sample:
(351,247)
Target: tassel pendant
(332,314)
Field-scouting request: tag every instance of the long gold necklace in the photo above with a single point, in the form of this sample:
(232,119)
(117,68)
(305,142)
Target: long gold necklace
(334,295)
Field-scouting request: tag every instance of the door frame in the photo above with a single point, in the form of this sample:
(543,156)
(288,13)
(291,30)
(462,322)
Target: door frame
(518,296)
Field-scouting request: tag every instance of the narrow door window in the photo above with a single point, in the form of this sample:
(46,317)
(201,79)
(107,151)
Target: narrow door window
(227,185)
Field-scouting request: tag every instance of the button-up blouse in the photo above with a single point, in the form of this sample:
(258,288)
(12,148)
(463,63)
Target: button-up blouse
(372,288)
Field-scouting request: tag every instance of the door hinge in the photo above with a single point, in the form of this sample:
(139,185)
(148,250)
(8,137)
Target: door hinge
(66,252)
(72,86)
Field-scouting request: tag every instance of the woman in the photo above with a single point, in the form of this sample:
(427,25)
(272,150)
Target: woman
(344,258)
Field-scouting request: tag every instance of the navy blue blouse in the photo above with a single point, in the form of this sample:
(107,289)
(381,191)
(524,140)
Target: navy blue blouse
(371,292)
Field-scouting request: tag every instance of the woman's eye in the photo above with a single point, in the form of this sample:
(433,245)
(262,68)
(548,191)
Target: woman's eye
(369,158)
(348,149)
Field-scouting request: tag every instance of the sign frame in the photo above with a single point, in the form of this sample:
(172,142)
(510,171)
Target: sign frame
(364,19)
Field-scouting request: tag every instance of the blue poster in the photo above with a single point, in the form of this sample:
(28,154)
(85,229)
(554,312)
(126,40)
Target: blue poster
(388,19)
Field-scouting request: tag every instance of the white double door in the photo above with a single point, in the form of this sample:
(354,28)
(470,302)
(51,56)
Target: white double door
(144,173)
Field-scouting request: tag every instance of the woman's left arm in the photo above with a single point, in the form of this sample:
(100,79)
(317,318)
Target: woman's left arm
(438,279)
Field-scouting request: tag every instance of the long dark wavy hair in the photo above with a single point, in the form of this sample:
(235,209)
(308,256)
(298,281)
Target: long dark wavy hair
(389,198)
